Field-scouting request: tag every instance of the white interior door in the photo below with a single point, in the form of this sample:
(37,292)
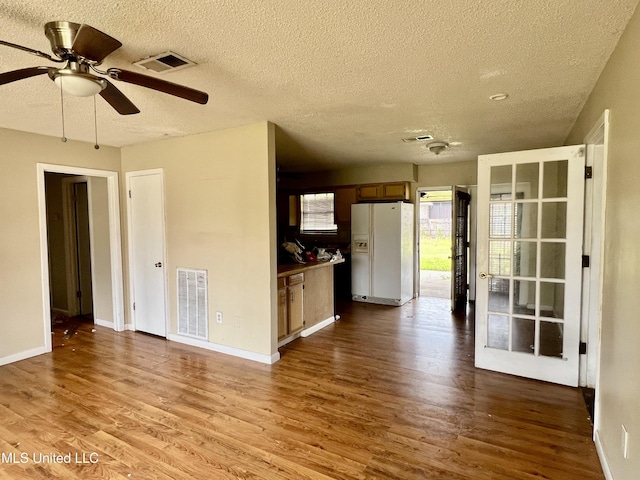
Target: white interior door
(146,231)
(530,215)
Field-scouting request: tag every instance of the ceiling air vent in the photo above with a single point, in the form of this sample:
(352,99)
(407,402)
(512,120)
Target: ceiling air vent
(165,62)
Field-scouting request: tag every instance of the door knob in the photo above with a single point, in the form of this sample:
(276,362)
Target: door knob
(484,275)
(158,265)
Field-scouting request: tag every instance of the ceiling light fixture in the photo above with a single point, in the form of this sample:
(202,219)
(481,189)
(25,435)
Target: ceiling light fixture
(438,147)
(498,97)
(76,80)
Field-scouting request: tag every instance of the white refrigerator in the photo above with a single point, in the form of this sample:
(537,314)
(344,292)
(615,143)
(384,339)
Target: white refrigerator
(382,252)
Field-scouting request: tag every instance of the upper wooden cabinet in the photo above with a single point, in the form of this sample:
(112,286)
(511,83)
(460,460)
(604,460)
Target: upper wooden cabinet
(344,198)
(383,191)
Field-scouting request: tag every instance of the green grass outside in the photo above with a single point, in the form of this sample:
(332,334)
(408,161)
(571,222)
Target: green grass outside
(435,253)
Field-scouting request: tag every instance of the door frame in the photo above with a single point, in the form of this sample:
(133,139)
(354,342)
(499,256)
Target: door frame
(593,245)
(115,244)
(130,252)
(416,211)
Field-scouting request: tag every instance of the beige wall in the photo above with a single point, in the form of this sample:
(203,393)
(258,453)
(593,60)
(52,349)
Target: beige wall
(446,174)
(22,328)
(220,216)
(392,172)
(101,251)
(618,89)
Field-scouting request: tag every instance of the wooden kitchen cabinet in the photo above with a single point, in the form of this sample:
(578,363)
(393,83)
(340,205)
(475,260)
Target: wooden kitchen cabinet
(344,198)
(283,327)
(383,192)
(290,304)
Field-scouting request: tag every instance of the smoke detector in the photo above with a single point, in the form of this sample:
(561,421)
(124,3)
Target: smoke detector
(165,62)
(438,147)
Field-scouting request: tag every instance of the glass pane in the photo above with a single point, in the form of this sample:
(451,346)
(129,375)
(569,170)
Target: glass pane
(501,181)
(554,220)
(498,332)
(524,332)
(551,338)
(499,257)
(526,220)
(552,260)
(554,183)
(552,300)
(524,259)
(500,220)
(524,297)
(499,295)
(527,180)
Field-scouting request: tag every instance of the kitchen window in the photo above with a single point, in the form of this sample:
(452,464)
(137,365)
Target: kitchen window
(317,213)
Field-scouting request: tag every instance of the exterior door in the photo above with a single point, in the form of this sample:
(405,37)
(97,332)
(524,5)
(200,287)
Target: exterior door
(460,248)
(530,215)
(146,231)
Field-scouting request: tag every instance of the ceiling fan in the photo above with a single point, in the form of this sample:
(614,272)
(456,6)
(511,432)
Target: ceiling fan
(81,48)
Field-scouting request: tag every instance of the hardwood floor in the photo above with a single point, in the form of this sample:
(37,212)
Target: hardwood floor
(386,392)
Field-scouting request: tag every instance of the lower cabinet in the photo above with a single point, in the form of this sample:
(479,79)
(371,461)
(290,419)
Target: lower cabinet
(290,304)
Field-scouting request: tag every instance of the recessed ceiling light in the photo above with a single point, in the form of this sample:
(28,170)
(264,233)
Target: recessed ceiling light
(498,97)
(419,138)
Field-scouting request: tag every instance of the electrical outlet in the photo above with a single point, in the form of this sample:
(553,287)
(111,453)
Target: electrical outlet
(625,442)
(219,317)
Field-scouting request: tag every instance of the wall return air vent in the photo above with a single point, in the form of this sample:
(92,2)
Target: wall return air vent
(165,62)
(193,309)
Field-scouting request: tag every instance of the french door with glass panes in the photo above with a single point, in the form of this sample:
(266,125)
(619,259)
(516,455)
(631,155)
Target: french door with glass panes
(529,259)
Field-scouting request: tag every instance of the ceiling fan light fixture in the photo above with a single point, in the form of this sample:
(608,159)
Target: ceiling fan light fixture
(79,86)
(76,81)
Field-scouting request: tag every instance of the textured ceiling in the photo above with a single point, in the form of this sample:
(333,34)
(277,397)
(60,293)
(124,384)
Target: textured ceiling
(344,81)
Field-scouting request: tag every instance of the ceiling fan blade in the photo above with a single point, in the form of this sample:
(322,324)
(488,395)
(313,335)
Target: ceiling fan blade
(30,50)
(160,85)
(118,100)
(16,75)
(93,44)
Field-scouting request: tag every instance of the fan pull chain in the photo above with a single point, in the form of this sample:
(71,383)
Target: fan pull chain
(64,138)
(95,122)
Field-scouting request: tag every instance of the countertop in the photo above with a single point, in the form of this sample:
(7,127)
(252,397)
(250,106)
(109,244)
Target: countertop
(291,268)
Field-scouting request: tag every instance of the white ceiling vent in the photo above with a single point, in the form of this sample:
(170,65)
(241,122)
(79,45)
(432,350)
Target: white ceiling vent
(193,303)
(165,62)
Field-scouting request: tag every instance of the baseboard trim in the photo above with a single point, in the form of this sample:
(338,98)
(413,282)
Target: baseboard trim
(317,326)
(129,327)
(236,352)
(603,457)
(16,357)
(104,323)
